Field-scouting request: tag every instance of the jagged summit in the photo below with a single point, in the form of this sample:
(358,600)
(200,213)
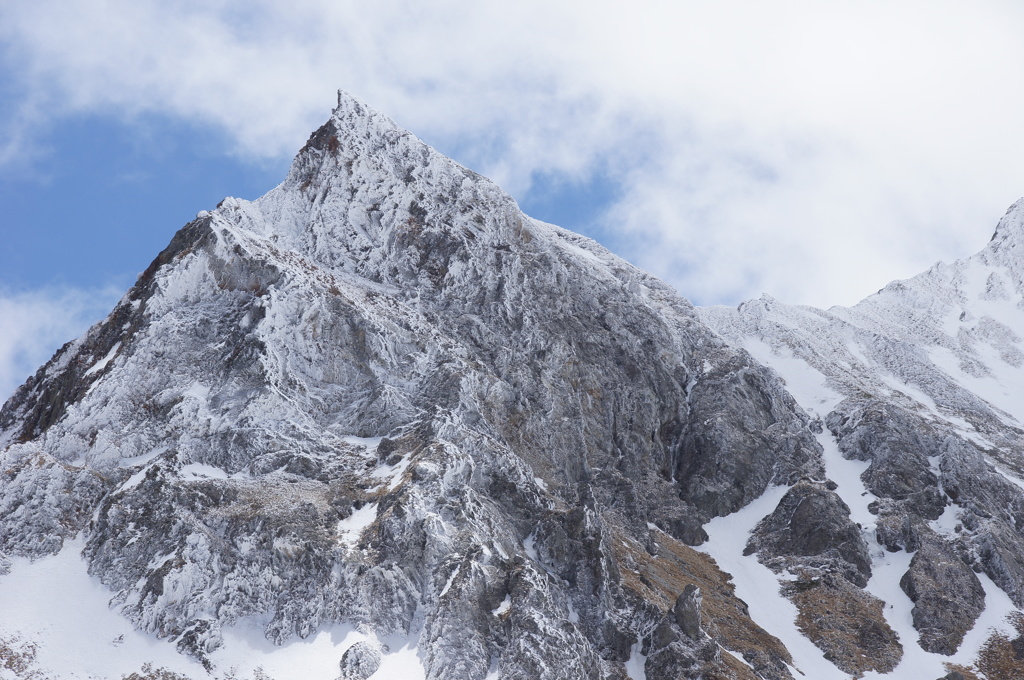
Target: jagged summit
(351,109)
(368,198)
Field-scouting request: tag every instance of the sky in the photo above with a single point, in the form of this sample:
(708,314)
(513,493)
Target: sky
(814,151)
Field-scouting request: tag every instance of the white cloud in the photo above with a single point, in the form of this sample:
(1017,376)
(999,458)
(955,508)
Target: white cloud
(813,150)
(33,325)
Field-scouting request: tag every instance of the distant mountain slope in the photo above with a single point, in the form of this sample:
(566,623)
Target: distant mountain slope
(923,382)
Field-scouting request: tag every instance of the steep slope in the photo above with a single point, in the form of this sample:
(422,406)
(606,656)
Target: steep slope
(381,413)
(921,389)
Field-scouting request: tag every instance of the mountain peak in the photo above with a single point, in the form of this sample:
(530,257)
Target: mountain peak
(1010,226)
(352,109)
(352,125)
(367,197)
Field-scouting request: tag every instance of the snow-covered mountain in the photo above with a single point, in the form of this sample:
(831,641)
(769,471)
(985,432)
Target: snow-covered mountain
(380,424)
(921,391)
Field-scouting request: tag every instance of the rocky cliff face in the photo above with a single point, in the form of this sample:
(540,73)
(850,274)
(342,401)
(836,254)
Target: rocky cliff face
(382,398)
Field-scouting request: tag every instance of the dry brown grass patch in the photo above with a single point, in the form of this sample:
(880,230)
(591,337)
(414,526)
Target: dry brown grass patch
(847,624)
(966,672)
(661,579)
(17,656)
(1002,658)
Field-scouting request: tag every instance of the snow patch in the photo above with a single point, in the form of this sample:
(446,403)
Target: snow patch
(578,250)
(448,584)
(102,363)
(492,670)
(529,545)
(54,603)
(505,605)
(574,616)
(910,391)
(314,658)
(202,471)
(846,473)
(1011,478)
(130,483)
(143,459)
(1003,389)
(365,442)
(350,528)
(946,523)
(807,385)
(635,665)
(197,391)
(391,473)
(888,568)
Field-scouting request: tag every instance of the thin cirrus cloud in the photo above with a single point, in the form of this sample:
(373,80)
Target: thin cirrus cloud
(811,150)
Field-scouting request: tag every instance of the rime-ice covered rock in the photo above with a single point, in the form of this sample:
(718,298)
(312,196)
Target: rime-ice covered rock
(360,661)
(382,395)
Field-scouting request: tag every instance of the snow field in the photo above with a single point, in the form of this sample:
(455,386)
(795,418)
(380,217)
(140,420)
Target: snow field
(54,603)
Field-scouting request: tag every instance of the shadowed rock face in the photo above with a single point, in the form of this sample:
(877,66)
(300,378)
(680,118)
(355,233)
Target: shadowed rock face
(897,444)
(811,527)
(744,411)
(382,395)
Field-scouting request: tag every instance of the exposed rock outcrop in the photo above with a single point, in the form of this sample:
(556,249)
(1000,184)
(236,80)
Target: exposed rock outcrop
(913,384)
(811,530)
(360,661)
(947,595)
